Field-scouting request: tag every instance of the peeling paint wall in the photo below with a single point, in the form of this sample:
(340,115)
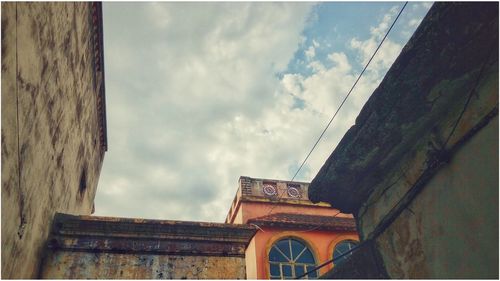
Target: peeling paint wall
(51,149)
(84,265)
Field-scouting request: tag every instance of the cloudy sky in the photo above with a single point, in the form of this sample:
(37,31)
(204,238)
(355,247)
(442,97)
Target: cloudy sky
(199,94)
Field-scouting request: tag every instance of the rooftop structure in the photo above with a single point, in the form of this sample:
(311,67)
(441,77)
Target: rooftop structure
(262,197)
(294,235)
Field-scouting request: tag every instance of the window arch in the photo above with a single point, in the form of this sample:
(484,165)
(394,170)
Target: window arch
(341,248)
(290,258)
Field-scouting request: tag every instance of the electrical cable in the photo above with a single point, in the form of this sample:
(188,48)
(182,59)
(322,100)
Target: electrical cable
(344,100)
(331,120)
(350,91)
(376,233)
(329,261)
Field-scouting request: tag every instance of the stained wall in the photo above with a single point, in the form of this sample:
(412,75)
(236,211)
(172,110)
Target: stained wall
(52,133)
(84,265)
(89,247)
(419,169)
(451,229)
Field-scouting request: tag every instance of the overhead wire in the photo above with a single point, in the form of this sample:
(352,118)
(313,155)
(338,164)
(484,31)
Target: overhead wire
(350,91)
(376,233)
(328,125)
(342,103)
(329,261)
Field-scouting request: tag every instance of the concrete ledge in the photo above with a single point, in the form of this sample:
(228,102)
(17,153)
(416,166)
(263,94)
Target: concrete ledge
(126,235)
(412,115)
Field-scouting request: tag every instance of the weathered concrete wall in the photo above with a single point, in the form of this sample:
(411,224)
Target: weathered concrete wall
(52,149)
(85,265)
(364,263)
(450,226)
(415,107)
(420,166)
(119,248)
(451,229)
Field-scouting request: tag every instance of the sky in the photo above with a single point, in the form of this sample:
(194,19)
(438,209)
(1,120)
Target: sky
(199,94)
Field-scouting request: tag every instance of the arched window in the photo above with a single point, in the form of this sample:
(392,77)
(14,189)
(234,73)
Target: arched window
(341,248)
(290,258)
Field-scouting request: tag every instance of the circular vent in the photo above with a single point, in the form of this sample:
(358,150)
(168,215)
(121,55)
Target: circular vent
(269,190)
(293,192)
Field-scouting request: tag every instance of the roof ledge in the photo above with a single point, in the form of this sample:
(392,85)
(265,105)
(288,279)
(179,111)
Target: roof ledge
(453,53)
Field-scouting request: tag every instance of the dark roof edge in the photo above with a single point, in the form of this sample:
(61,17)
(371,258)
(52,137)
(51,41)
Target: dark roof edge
(65,224)
(272,180)
(302,226)
(307,222)
(417,102)
(284,201)
(98,45)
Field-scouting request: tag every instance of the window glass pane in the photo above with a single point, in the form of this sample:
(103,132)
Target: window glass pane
(341,260)
(275,255)
(284,246)
(287,270)
(297,247)
(312,274)
(299,270)
(275,269)
(290,258)
(306,257)
(341,248)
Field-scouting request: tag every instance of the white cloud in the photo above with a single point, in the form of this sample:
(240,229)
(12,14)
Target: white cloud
(418,9)
(324,90)
(185,82)
(426,5)
(193,102)
(310,53)
(379,31)
(414,22)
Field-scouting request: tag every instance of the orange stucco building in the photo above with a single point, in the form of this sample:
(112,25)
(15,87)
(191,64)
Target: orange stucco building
(294,235)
